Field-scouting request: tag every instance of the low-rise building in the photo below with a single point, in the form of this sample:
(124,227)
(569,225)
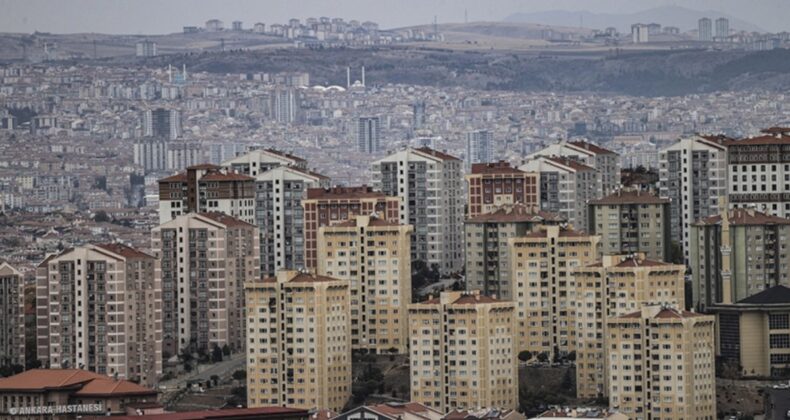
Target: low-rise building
(391,411)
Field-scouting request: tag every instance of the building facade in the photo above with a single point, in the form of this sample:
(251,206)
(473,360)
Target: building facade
(630,221)
(207,188)
(738,254)
(759,172)
(491,185)
(98,308)
(479,148)
(369,134)
(258,161)
(542,264)
(487,252)
(616,286)
(463,352)
(162,123)
(12,324)
(203,261)
(693,176)
(705,30)
(327,206)
(662,364)
(429,185)
(373,255)
(299,342)
(605,161)
(565,187)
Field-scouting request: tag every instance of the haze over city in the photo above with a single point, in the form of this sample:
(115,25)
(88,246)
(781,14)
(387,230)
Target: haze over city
(394,210)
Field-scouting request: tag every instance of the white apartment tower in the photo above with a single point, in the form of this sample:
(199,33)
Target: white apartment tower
(430,187)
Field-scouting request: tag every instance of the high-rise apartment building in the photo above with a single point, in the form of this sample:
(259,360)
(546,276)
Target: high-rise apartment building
(479,148)
(327,206)
(615,286)
(662,364)
(12,324)
(298,342)
(98,308)
(693,175)
(369,134)
(151,154)
(492,185)
(373,255)
(487,251)
(462,352)
(759,172)
(429,185)
(162,122)
(542,264)
(418,115)
(705,30)
(631,221)
(203,261)
(146,48)
(722,28)
(738,254)
(207,188)
(640,33)
(285,105)
(605,161)
(281,218)
(258,161)
(565,187)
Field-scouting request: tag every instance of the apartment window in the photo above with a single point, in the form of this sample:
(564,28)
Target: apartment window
(779,341)
(778,321)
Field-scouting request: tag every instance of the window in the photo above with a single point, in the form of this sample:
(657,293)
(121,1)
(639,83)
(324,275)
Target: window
(778,321)
(779,341)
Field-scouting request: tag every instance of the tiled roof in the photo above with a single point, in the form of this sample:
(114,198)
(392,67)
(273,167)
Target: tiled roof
(232,176)
(435,153)
(233,413)
(344,193)
(500,167)
(109,387)
(285,155)
(396,410)
(576,166)
(516,213)
(630,197)
(303,278)
(598,150)
(225,219)
(124,251)
(760,140)
(742,217)
(182,177)
(47,378)
(203,166)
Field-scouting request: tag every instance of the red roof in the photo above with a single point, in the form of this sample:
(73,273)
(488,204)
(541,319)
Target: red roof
(576,166)
(396,410)
(598,150)
(232,176)
(759,141)
(435,153)
(465,299)
(233,413)
(516,213)
(303,278)
(501,167)
(124,251)
(630,197)
(202,167)
(225,219)
(90,384)
(343,193)
(745,217)
(285,155)
(105,387)
(182,177)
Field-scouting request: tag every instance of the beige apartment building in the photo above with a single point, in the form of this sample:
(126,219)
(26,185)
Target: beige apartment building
(203,261)
(492,185)
(662,364)
(463,352)
(373,255)
(298,342)
(631,221)
(98,308)
(12,323)
(545,289)
(487,251)
(615,286)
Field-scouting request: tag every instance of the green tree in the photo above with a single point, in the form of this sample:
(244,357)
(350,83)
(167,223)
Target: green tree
(524,355)
(543,357)
(240,375)
(216,354)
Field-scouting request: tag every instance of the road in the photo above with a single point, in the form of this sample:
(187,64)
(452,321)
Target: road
(222,369)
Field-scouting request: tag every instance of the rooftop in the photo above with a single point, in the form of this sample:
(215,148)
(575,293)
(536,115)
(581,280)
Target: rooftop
(435,153)
(744,217)
(598,150)
(501,167)
(225,219)
(570,163)
(346,193)
(516,213)
(124,251)
(90,384)
(774,295)
(630,197)
(233,413)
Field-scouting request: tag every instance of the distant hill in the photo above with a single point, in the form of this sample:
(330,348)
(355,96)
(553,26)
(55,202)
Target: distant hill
(683,18)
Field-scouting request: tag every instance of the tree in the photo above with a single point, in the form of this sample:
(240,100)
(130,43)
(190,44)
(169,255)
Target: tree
(240,375)
(226,350)
(543,357)
(216,354)
(568,381)
(101,217)
(571,357)
(524,355)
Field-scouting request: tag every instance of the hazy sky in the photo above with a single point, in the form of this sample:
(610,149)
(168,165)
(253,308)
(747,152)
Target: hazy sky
(165,16)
